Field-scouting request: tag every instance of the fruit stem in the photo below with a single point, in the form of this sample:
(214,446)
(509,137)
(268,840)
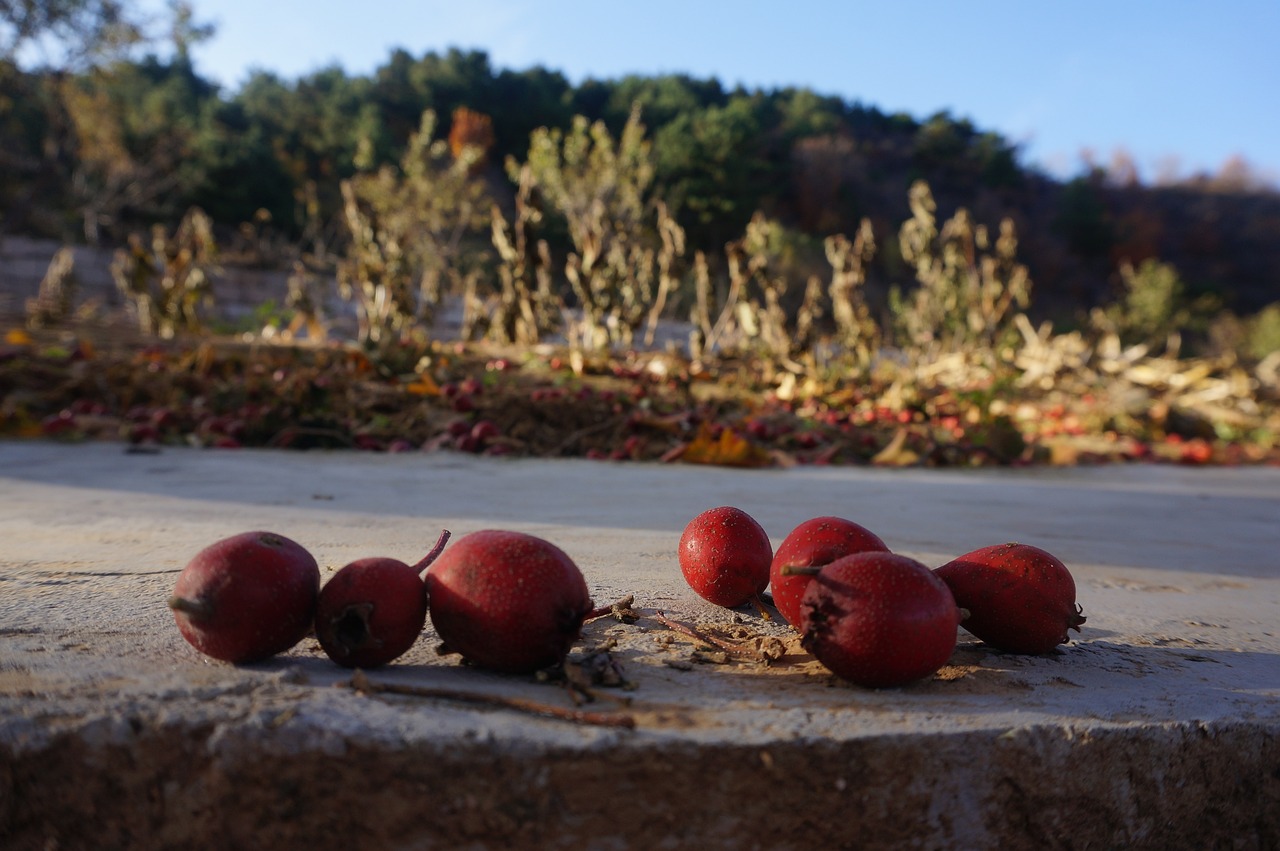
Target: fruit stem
(800,570)
(198,609)
(421,567)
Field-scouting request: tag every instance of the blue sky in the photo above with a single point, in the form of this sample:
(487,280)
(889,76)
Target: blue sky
(1180,85)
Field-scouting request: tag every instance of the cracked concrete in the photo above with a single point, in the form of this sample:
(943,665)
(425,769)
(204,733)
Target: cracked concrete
(1159,727)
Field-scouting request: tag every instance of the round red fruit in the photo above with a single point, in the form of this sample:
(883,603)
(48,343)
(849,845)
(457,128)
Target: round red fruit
(247,597)
(370,612)
(373,609)
(1020,598)
(724,555)
(814,543)
(879,619)
(507,601)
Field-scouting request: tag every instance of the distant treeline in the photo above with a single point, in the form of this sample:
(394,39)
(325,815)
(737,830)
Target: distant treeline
(108,149)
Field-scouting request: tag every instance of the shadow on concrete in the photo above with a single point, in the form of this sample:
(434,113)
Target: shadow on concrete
(1094,681)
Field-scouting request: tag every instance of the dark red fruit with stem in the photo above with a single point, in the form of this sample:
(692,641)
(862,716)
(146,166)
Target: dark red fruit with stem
(247,597)
(724,555)
(878,619)
(373,609)
(814,543)
(1020,598)
(507,601)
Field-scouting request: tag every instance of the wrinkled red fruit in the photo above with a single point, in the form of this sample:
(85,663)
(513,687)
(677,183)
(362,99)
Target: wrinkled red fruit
(247,597)
(373,610)
(507,601)
(725,555)
(878,619)
(814,543)
(1020,598)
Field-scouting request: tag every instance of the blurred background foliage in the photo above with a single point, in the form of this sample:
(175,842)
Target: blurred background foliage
(116,132)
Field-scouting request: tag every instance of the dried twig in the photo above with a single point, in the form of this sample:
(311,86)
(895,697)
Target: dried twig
(738,651)
(575,436)
(360,682)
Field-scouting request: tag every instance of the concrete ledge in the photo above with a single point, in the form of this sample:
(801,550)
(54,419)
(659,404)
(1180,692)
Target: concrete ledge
(1166,786)
(1159,728)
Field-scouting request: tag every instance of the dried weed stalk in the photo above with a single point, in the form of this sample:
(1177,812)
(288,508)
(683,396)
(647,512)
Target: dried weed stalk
(967,287)
(170,279)
(407,227)
(601,188)
(525,308)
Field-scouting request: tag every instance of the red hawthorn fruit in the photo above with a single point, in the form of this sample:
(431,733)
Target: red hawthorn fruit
(164,419)
(814,543)
(247,597)
(58,424)
(808,439)
(484,431)
(507,601)
(724,555)
(878,619)
(1020,598)
(373,609)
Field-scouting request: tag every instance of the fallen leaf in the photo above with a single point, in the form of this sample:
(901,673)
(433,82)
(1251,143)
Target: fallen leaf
(423,386)
(729,449)
(896,453)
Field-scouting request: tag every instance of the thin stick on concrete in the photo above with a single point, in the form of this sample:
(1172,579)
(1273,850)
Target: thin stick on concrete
(360,682)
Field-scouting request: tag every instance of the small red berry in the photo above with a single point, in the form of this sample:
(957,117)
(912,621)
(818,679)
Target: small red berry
(507,601)
(1019,598)
(247,597)
(878,619)
(484,431)
(814,543)
(373,610)
(724,555)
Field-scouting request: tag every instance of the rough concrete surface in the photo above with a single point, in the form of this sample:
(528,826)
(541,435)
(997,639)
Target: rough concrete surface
(1159,727)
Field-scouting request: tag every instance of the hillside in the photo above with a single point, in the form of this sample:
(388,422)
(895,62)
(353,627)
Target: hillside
(98,155)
